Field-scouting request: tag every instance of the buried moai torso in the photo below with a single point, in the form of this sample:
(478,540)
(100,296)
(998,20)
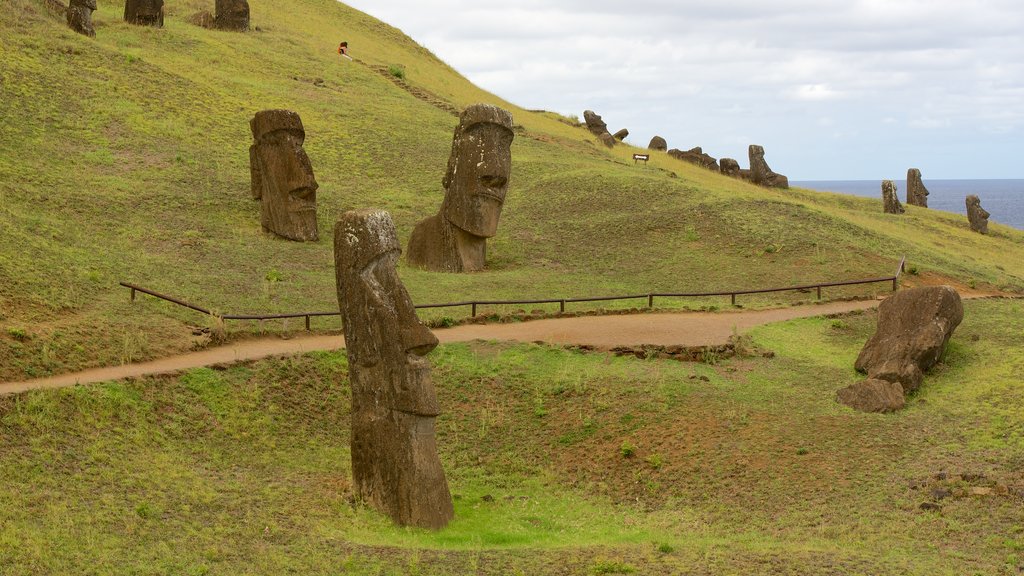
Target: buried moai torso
(231,15)
(144,12)
(760,173)
(80,16)
(890,201)
(976,215)
(455,240)
(395,466)
(917,194)
(282,175)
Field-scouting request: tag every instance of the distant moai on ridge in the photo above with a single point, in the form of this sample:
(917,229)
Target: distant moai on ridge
(890,201)
(476,182)
(917,194)
(976,215)
(80,16)
(231,15)
(282,175)
(144,12)
(658,143)
(598,128)
(395,466)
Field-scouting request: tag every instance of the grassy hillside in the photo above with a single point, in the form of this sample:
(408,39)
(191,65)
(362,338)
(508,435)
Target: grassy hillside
(125,158)
(560,463)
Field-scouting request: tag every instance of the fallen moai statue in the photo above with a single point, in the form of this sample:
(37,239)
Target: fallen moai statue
(730,167)
(598,128)
(890,201)
(695,156)
(976,215)
(621,135)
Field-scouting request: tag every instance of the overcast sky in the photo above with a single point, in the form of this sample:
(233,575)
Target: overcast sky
(848,89)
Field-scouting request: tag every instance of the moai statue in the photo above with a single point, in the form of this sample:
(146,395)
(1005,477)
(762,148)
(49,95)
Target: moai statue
(977,215)
(395,467)
(760,173)
(917,194)
(598,128)
(729,167)
(144,12)
(80,16)
(282,175)
(658,143)
(231,15)
(455,240)
(890,201)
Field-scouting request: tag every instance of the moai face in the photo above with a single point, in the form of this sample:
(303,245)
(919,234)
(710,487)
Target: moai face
(976,215)
(232,14)
(478,170)
(917,194)
(284,175)
(144,12)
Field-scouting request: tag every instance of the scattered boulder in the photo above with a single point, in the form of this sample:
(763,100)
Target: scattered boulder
(282,175)
(760,173)
(914,327)
(144,12)
(873,396)
(695,156)
(730,167)
(917,194)
(621,135)
(976,215)
(231,15)
(80,17)
(890,201)
(658,143)
(594,123)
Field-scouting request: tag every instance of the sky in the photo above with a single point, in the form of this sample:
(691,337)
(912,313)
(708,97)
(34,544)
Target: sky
(834,90)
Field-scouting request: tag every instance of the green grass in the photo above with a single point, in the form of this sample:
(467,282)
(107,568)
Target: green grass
(246,470)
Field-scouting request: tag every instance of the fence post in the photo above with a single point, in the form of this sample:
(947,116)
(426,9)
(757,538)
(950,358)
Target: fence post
(133,294)
(894,281)
(733,299)
(307,323)
(473,313)
(561,306)
(650,300)
(819,292)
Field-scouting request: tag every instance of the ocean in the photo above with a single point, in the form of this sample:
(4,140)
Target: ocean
(1003,199)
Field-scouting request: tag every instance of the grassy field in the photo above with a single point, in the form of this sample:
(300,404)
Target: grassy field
(125,158)
(560,462)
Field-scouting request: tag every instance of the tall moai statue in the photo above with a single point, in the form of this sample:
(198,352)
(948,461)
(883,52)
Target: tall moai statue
(917,194)
(976,215)
(231,15)
(282,175)
(890,201)
(80,16)
(144,12)
(479,167)
(760,173)
(395,467)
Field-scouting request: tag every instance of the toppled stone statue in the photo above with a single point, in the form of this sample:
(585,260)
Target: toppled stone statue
(730,167)
(80,16)
(144,12)
(282,175)
(917,194)
(976,215)
(621,135)
(890,201)
(607,139)
(914,327)
(598,128)
(695,156)
(658,143)
(479,167)
(760,173)
(395,467)
(231,15)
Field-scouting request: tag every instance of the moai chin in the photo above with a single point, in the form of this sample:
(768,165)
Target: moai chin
(80,16)
(395,467)
(144,12)
(976,215)
(231,15)
(890,201)
(282,175)
(476,182)
(917,194)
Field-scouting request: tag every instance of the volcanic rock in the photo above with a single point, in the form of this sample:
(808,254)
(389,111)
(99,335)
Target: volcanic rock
(873,396)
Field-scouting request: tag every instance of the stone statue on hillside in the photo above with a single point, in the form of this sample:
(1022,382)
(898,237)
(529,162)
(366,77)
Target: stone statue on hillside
(282,175)
(80,16)
(730,167)
(144,12)
(598,128)
(760,173)
(231,15)
(395,467)
(479,167)
(658,143)
(695,156)
(917,194)
(621,135)
(977,215)
(914,327)
(890,201)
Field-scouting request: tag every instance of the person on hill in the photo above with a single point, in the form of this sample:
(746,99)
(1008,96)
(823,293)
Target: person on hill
(343,50)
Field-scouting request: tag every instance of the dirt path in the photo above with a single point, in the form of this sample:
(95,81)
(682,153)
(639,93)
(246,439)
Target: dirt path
(683,328)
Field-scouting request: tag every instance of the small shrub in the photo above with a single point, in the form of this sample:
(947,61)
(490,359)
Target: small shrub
(274,276)
(912,271)
(802,451)
(18,334)
(612,567)
(655,461)
(972,284)
(665,548)
(627,449)
(691,234)
(446,322)
(838,324)
(397,71)
(770,249)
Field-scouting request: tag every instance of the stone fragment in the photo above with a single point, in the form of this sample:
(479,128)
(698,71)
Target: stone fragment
(231,15)
(395,466)
(976,215)
(890,201)
(760,173)
(476,182)
(80,16)
(658,143)
(282,175)
(873,396)
(144,12)
(621,135)
(695,156)
(917,194)
(730,167)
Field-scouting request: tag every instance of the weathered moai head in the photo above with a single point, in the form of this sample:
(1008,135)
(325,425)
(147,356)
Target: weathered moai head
(594,123)
(144,12)
(658,143)
(917,194)
(890,201)
(395,466)
(760,173)
(730,167)
(479,168)
(231,15)
(621,134)
(977,215)
(80,16)
(283,175)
